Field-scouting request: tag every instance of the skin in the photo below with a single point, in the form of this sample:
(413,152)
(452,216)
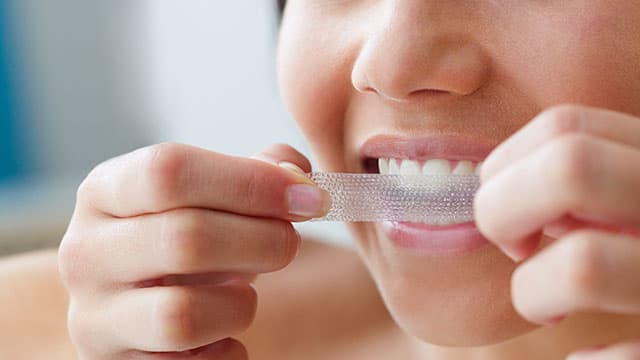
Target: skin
(155,264)
(484,69)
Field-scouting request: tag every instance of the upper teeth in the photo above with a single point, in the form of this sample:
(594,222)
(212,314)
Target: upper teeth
(429,167)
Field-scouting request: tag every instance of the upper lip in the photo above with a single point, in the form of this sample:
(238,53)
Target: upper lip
(441,146)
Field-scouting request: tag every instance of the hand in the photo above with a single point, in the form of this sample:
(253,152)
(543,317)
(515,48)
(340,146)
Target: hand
(573,174)
(165,242)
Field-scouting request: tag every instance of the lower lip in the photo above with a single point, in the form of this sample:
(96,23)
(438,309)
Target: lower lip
(429,239)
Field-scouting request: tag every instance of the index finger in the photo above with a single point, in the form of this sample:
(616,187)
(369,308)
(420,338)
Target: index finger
(170,176)
(560,121)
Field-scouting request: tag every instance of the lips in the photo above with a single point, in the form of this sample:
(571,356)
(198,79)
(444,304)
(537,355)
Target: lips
(449,147)
(435,240)
(450,155)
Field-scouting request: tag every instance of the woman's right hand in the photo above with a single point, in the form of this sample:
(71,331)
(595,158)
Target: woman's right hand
(164,243)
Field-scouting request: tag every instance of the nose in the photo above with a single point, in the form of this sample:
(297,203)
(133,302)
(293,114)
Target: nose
(421,47)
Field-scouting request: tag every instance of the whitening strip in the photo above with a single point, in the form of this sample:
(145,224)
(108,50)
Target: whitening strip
(431,199)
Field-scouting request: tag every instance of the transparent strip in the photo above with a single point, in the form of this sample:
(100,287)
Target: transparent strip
(431,199)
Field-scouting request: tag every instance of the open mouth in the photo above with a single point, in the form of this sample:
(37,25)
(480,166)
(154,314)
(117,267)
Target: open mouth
(440,175)
(443,156)
(421,167)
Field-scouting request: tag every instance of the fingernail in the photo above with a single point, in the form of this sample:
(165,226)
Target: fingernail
(293,167)
(307,200)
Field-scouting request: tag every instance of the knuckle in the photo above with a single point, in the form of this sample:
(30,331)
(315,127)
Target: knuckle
(71,254)
(164,170)
(85,189)
(519,294)
(584,265)
(79,328)
(483,206)
(75,324)
(574,165)
(183,237)
(91,183)
(175,322)
(251,192)
(562,119)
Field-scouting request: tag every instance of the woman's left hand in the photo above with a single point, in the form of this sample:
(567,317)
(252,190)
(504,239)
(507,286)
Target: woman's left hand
(573,173)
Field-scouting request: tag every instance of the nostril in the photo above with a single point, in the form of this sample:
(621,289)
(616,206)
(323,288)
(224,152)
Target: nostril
(428,93)
(369,89)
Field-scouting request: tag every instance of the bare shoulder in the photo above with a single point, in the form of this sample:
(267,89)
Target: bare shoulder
(325,299)
(34,303)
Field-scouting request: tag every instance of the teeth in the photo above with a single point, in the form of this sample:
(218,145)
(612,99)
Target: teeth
(394,166)
(463,168)
(410,167)
(430,167)
(436,167)
(383,166)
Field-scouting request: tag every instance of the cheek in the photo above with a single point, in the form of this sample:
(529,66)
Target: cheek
(461,300)
(314,77)
(589,58)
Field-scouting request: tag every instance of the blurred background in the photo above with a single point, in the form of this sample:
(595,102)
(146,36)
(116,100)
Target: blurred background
(82,81)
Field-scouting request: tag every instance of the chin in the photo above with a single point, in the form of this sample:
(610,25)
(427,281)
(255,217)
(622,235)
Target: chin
(455,299)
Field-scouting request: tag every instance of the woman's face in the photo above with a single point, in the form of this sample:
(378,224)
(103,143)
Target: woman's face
(446,80)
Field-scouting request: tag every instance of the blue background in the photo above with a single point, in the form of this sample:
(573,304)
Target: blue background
(12,160)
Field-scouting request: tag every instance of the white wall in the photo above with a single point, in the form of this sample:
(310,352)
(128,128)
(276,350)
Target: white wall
(212,66)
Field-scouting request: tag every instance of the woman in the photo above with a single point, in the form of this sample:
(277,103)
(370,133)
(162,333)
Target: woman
(160,266)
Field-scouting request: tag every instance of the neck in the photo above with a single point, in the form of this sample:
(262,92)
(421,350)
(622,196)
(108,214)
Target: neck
(549,342)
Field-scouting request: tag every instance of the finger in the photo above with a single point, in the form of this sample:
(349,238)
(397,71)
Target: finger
(169,176)
(568,224)
(183,241)
(284,155)
(580,176)
(624,351)
(560,121)
(227,349)
(175,319)
(585,270)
